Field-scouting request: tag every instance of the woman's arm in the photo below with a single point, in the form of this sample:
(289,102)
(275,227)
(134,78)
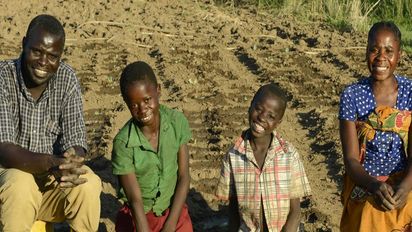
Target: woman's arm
(134,196)
(182,188)
(405,186)
(293,220)
(350,146)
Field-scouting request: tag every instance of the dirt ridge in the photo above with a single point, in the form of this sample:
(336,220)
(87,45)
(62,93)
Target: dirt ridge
(209,60)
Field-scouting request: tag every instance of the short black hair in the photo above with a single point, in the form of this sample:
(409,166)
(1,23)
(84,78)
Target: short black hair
(48,23)
(136,71)
(274,90)
(387,25)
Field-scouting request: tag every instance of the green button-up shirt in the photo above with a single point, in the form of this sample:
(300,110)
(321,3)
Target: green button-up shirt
(156,172)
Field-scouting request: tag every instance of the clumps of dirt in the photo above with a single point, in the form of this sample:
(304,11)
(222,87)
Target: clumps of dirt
(209,61)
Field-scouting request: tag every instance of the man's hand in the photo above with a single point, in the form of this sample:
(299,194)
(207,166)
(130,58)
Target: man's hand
(68,173)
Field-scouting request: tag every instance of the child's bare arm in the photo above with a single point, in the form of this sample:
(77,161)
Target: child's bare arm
(132,190)
(350,145)
(293,220)
(182,188)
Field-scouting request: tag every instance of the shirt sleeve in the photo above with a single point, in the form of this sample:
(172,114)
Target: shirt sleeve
(185,133)
(72,123)
(122,158)
(7,124)
(299,181)
(223,189)
(347,108)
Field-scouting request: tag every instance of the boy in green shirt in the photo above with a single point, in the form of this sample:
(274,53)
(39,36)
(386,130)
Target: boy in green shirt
(151,158)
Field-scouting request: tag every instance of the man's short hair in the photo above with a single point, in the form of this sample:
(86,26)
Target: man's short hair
(48,23)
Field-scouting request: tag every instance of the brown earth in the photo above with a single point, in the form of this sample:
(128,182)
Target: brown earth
(210,60)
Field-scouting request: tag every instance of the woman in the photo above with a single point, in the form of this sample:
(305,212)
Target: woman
(375,123)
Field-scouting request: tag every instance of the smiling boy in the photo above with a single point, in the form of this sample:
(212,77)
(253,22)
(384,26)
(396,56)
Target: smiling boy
(262,176)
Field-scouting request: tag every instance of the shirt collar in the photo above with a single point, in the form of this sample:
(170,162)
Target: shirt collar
(19,74)
(136,136)
(275,148)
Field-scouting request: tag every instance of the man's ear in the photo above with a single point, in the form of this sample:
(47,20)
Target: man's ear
(23,42)
(125,98)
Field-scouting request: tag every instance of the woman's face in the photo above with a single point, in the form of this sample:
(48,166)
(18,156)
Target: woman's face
(383,54)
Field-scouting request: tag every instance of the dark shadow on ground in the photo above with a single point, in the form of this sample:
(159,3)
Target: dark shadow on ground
(314,123)
(204,218)
(110,205)
(64,227)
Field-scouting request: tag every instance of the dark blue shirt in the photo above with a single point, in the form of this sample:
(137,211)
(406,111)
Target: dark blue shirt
(385,153)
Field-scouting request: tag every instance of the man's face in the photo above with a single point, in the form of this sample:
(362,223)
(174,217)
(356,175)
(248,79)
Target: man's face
(41,56)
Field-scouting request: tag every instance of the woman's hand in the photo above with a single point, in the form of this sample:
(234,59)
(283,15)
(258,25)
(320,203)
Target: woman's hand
(401,197)
(383,195)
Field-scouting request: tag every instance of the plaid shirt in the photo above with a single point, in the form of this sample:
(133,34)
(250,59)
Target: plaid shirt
(282,178)
(52,124)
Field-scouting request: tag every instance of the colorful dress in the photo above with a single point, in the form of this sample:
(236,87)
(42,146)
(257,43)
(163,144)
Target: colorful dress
(383,136)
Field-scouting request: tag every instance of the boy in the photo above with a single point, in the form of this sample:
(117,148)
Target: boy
(262,175)
(151,158)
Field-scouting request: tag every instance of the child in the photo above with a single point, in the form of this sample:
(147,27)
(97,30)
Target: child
(375,120)
(262,175)
(150,158)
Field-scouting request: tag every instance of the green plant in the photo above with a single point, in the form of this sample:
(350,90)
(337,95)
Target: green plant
(345,15)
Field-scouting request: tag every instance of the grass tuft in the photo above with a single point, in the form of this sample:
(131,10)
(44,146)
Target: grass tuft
(345,15)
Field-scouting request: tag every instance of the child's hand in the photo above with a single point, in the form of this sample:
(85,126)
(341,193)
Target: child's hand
(383,193)
(400,196)
(169,227)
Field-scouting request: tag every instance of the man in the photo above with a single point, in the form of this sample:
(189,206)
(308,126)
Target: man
(42,137)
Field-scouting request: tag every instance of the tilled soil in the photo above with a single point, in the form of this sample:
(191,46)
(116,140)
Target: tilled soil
(210,60)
